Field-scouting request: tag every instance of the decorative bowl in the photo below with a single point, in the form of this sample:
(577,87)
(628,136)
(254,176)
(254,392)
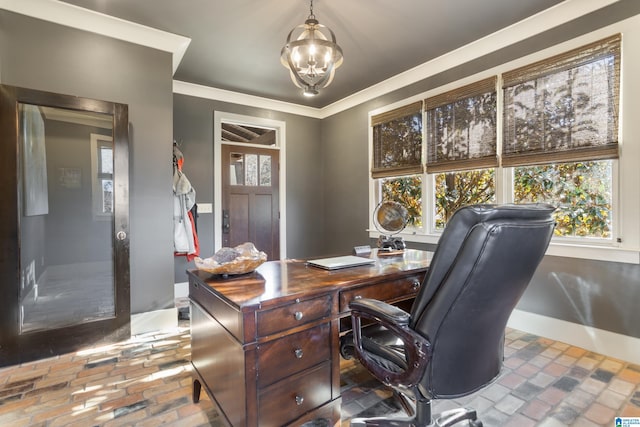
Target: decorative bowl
(242,259)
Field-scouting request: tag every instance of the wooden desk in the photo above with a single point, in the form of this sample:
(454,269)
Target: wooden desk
(265,346)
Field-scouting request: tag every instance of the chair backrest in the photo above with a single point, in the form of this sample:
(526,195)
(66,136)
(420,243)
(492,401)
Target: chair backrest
(484,261)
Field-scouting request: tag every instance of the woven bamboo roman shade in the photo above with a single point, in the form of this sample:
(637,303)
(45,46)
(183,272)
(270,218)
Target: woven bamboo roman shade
(461,128)
(564,108)
(397,142)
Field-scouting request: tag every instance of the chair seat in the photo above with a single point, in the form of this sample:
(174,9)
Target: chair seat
(382,345)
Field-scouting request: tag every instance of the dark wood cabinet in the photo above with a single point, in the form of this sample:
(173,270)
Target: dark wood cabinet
(265,344)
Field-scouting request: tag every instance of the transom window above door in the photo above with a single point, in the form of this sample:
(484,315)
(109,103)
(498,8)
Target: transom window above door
(232,132)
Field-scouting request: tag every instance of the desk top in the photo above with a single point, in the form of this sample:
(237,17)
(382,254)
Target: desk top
(291,279)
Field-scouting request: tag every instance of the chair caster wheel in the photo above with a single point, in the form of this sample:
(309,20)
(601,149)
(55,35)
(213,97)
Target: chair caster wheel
(475,423)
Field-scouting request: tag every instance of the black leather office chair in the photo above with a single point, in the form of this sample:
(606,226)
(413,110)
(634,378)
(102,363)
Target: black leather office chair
(452,342)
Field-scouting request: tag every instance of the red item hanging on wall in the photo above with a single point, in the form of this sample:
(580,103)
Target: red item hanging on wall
(185,238)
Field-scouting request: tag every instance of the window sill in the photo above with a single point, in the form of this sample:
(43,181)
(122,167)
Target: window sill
(598,253)
(560,249)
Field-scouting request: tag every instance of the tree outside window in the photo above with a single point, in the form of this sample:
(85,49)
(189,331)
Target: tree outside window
(456,189)
(408,192)
(580,190)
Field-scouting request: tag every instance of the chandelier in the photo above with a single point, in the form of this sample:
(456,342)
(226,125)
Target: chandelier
(311,55)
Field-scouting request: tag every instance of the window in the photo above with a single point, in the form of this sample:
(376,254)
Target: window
(461,147)
(102,173)
(250,169)
(558,143)
(406,190)
(456,189)
(561,132)
(397,158)
(582,191)
(397,142)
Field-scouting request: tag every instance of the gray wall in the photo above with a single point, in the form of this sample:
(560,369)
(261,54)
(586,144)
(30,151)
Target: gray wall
(327,179)
(598,294)
(44,56)
(305,173)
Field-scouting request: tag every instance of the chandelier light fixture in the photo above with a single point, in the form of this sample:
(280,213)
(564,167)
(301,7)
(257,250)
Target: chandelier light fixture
(311,54)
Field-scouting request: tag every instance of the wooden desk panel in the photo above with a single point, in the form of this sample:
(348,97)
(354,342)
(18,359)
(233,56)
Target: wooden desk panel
(239,323)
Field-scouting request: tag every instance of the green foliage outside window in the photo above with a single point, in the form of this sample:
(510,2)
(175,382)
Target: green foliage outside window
(581,191)
(407,191)
(457,189)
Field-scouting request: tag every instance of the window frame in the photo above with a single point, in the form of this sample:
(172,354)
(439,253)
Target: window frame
(624,245)
(98,141)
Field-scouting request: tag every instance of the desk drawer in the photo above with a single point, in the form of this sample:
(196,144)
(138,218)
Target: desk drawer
(285,356)
(289,399)
(394,290)
(292,315)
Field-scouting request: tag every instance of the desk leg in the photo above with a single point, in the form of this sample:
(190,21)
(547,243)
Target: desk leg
(197,387)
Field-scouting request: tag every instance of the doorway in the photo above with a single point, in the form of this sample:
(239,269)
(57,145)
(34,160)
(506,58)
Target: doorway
(68,284)
(249,194)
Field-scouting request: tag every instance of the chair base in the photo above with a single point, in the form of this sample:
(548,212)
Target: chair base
(444,419)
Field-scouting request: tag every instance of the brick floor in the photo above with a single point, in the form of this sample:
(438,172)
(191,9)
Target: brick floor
(146,382)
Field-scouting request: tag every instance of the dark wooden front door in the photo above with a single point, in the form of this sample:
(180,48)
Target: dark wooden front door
(250,198)
(64,224)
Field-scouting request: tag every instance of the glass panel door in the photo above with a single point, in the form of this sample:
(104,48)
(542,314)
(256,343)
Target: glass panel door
(66,215)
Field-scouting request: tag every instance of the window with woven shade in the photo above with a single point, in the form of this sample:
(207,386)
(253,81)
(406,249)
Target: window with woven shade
(546,132)
(564,108)
(397,142)
(461,128)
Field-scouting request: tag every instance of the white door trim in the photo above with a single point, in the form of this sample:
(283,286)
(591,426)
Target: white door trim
(280,127)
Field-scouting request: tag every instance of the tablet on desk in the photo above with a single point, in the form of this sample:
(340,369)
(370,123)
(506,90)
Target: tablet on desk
(335,263)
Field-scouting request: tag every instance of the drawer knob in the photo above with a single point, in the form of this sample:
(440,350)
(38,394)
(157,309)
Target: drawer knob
(298,315)
(416,284)
(358,297)
(299,353)
(299,400)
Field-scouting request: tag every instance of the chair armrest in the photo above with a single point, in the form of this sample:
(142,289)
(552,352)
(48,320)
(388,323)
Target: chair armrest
(417,349)
(381,310)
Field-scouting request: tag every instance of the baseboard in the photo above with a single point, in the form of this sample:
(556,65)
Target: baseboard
(610,344)
(152,321)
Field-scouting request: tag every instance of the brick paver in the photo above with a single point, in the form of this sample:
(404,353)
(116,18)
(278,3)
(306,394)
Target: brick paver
(146,381)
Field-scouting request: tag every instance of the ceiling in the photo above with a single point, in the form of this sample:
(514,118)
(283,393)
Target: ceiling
(235,44)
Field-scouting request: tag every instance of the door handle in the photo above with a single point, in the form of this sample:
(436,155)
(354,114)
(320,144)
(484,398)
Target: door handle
(225,222)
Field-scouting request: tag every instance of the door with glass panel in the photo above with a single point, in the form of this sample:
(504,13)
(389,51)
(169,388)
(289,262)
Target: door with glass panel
(250,198)
(67,285)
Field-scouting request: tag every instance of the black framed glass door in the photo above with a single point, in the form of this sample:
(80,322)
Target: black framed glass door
(68,283)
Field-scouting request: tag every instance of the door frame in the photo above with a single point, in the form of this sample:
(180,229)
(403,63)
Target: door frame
(17,347)
(220,117)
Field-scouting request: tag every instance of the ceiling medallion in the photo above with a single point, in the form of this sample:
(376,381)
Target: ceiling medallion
(312,55)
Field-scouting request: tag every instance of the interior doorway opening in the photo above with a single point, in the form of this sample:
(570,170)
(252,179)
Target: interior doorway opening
(249,183)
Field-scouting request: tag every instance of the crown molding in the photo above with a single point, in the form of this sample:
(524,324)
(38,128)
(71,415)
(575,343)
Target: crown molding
(531,26)
(536,24)
(87,20)
(95,22)
(208,92)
